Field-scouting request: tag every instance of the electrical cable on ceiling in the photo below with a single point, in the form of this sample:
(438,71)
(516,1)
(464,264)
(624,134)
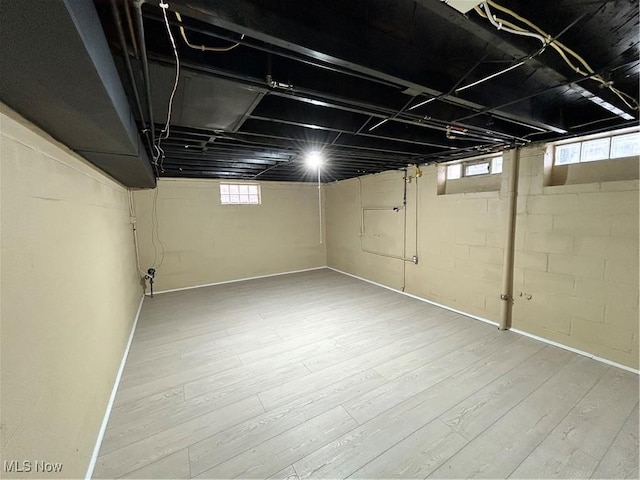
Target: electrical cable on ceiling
(548,40)
(204,48)
(164,134)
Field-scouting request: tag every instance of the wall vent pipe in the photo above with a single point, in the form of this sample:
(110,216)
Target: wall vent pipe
(509,242)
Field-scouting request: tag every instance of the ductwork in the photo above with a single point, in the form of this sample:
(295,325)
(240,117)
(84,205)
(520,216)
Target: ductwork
(57,71)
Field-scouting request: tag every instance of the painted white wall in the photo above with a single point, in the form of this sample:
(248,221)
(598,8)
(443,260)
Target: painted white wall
(207,242)
(576,247)
(69,294)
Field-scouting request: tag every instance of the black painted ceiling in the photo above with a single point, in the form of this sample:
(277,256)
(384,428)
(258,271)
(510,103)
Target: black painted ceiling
(371,83)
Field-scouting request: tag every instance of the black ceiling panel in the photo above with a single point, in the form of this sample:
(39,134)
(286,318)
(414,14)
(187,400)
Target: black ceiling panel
(373,84)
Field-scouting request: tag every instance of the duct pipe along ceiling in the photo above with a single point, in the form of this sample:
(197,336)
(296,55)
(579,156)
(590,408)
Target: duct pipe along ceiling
(374,85)
(58,71)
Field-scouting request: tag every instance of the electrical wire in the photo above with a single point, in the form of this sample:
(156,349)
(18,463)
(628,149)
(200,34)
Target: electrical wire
(164,134)
(204,48)
(548,40)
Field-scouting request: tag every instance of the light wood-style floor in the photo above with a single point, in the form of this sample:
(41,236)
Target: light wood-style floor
(320,375)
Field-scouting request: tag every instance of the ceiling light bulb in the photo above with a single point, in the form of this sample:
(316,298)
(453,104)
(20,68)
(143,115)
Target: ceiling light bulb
(314,159)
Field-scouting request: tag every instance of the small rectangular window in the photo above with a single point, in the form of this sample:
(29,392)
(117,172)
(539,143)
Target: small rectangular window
(454,171)
(476,169)
(239,194)
(496,165)
(625,145)
(593,150)
(567,154)
(599,148)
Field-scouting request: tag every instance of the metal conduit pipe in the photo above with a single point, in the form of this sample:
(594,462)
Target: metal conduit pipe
(507,261)
(145,68)
(127,62)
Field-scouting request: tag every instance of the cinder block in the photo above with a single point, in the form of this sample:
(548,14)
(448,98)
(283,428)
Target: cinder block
(469,268)
(535,223)
(620,316)
(609,203)
(470,236)
(453,250)
(624,226)
(531,260)
(548,242)
(492,255)
(603,334)
(493,273)
(582,224)
(496,205)
(572,188)
(552,204)
(620,186)
(572,306)
(542,317)
(588,267)
(606,292)
(496,238)
(535,281)
(622,271)
(608,247)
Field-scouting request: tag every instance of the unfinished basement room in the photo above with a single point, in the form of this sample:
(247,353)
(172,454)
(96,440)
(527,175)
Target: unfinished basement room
(319,239)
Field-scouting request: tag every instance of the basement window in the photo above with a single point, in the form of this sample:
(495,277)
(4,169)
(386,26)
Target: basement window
(592,149)
(473,168)
(239,194)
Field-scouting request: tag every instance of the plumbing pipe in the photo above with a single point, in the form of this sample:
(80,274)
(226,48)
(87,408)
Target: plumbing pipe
(127,62)
(509,242)
(145,69)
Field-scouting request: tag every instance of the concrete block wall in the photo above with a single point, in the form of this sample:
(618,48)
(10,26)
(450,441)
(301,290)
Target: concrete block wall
(576,249)
(576,262)
(207,242)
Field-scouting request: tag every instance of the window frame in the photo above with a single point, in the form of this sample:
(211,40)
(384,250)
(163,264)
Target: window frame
(581,142)
(235,189)
(464,165)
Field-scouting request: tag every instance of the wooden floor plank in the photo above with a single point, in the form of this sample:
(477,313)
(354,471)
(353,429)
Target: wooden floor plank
(320,375)
(417,455)
(498,451)
(273,455)
(153,448)
(621,460)
(226,444)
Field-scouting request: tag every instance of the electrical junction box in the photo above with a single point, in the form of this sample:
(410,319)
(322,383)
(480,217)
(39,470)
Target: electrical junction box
(463,6)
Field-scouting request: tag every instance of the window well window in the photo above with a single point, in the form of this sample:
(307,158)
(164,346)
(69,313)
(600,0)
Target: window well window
(474,168)
(239,194)
(599,148)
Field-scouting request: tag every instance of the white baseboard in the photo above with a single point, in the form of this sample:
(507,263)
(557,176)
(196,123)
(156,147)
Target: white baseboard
(237,280)
(114,390)
(514,330)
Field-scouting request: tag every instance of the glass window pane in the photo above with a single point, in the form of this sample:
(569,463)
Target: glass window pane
(233,189)
(496,165)
(234,199)
(566,154)
(244,199)
(254,199)
(224,199)
(224,188)
(454,171)
(253,189)
(476,169)
(244,189)
(625,145)
(595,150)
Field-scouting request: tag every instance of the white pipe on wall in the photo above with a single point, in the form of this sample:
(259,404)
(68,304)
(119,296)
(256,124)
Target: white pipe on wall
(509,242)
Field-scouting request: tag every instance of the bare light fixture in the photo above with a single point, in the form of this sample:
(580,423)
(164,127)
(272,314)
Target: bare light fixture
(314,161)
